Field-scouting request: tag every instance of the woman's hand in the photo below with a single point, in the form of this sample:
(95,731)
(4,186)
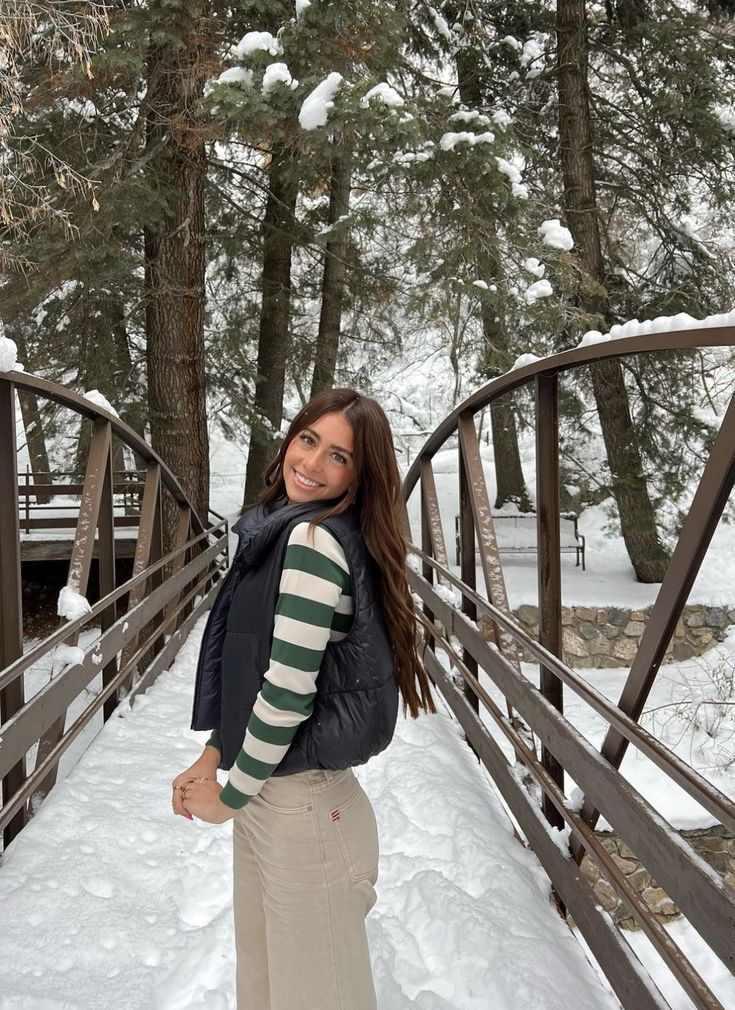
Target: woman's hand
(204,767)
(201,798)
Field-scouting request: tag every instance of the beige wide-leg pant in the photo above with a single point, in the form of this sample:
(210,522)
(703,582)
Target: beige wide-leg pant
(305,865)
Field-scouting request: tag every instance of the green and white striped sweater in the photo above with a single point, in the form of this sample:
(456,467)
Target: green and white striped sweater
(314,607)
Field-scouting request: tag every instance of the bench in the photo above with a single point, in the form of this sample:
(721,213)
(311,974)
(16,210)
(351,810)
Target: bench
(516,534)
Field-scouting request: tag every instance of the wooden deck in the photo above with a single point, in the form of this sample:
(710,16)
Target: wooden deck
(57,546)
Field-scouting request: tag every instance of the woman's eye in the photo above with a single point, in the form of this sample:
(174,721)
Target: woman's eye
(307,438)
(339,457)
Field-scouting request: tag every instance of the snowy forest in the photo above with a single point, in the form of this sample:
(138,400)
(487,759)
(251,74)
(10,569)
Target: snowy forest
(210,211)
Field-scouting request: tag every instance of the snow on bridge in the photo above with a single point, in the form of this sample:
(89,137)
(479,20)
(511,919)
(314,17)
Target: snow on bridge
(109,902)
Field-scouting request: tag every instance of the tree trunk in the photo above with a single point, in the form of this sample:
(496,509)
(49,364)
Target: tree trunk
(509,479)
(335,268)
(510,483)
(637,518)
(175,260)
(105,365)
(273,338)
(33,426)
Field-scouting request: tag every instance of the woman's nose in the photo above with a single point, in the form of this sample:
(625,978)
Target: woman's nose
(313,464)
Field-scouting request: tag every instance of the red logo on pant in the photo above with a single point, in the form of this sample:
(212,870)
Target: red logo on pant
(335,815)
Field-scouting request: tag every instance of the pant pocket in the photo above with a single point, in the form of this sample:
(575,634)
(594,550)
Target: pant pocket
(356,831)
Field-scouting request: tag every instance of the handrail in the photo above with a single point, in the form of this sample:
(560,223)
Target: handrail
(108,500)
(672,955)
(537,707)
(8,810)
(660,340)
(709,796)
(10,673)
(679,869)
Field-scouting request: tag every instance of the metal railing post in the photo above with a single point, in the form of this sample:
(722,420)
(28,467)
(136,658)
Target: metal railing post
(549,562)
(12,697)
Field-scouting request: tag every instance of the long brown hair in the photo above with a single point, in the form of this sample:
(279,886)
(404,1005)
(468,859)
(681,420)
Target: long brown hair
(377,497)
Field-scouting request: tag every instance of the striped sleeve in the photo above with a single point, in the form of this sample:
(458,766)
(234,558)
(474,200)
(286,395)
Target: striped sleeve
(313,605)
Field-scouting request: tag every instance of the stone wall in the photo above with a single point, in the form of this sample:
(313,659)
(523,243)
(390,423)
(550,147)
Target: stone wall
(607,637)
(716,845)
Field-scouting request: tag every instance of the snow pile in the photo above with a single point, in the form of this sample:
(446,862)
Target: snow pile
(470,116)
(661,324)
(385,94)
(411,157)
(254,42)
(441,25)
(726,117)
(554,234)
(593,337)
(110,901)
(449,141)
(449,594)
(535,266)
(278,73)
(86,109)
(512,42)
(236,75)
(317,105)
(533,56)
(539,289)
(72,604)
(502,119)
(523,360)
(100,401)
(532,51)
(513,171)
(301,7)
(67,655)
(8,353)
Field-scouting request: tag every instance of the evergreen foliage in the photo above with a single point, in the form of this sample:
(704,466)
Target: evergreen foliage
(449,115)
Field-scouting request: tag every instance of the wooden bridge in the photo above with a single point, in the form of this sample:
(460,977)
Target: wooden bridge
(144,628)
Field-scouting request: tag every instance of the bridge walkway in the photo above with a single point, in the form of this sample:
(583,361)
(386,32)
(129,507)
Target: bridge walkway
(111,902)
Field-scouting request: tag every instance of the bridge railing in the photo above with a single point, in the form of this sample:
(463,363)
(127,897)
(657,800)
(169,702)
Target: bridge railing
(142,622)
(476,667)
(164,616)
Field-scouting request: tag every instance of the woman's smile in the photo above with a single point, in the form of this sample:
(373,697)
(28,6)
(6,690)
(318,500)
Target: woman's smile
(300,478)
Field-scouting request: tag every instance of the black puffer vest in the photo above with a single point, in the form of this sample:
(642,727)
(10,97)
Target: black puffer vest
(356,703)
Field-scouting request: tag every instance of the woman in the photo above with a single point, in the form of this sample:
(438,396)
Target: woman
(307,646)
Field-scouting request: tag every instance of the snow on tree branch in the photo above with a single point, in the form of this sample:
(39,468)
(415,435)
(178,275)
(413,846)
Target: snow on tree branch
(317,105)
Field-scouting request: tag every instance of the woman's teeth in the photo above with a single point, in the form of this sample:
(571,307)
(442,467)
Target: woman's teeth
(304,481)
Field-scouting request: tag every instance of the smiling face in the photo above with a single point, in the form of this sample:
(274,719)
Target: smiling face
(318,462)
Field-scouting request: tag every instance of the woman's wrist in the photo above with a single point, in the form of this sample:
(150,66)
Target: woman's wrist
(206,764)
(209,759)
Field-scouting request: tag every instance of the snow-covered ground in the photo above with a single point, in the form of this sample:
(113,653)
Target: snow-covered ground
(109,901)
(609,579)
(691,709)
(131,908)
